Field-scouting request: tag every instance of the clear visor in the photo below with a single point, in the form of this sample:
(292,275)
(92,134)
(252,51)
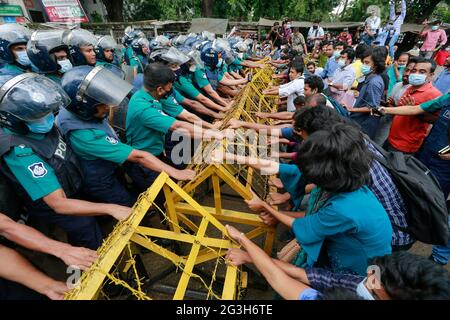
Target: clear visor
(107,42)
(80,38)
(33,98)
(49,39)
(208,35)
(104,86)
(175,56)
(196,57)
(13,31)
(162,40)
(221,45)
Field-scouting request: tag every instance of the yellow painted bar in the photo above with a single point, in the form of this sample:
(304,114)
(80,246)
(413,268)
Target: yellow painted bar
(207,255)
(171,210)
(113,246)
(190,263)
(229,288)
(217,196)
(157,249)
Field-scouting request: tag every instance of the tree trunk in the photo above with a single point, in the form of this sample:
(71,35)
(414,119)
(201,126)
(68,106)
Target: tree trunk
(114,9)
(207,8)
(419,10)
(345,8)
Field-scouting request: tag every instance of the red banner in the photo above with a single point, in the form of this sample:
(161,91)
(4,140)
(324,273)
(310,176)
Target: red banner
(64,11)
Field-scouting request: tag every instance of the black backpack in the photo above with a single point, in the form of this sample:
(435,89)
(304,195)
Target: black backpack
(427,214)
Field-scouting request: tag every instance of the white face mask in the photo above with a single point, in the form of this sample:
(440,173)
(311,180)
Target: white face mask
(363,292)
(192,68)
(66,65)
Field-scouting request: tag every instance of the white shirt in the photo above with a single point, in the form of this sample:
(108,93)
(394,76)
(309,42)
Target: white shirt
(398,21)
(292,90)
(316,33)
(373,23)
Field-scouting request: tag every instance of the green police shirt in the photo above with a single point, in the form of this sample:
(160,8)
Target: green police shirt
(13,68)
(34,174)
(136,62)
(148,122)
(93,144)
(185,85)
(200,78)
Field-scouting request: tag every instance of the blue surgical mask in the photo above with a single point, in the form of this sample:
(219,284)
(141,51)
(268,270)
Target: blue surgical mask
(42,126)
(366,69)
(66,65)
(341,63)
(363,292)
(434,28)
(401,66)
(22,58)
(336,54)
(416,79)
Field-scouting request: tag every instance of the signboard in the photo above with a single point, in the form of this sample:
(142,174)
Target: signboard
(10,10)
(64,11)
(28,4)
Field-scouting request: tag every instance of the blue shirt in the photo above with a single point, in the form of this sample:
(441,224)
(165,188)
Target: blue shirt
(351,227)
(371,92)
(330,68)
(442,82)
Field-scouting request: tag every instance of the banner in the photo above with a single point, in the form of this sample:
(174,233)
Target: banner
(64,11)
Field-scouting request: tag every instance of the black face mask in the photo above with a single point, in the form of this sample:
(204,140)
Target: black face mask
(315,27)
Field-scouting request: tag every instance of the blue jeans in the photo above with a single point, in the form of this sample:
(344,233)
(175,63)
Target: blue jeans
(441,254)
(392,43)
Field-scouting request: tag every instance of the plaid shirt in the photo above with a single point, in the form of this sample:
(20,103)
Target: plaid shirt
(323,279)
(387,193)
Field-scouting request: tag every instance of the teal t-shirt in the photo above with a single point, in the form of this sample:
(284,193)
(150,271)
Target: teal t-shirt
(290,176)
(185,86)
(353,226)
(147,122)
(436,104)
(200,78)
(34,174)
(93,144)
(138,62)
(392,79)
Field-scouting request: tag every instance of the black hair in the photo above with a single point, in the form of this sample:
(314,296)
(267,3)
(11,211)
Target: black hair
(379,59)
(340,43)
(317,99)
(297,66)
(300,101)
(157,75)
(311,63)
(339,294)
(413,59)
(315,82)
(403,54)
(360,49)
(430,61)
(312,119)
(336,160)
(350,53)
(406,276)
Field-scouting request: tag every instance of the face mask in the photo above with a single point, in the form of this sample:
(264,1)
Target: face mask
(220,63)
(363,292)
(241,55)
(336,54)
(341,63)
(366,69)
(66,65)
(192,68)
(401,66)
(42,126)
(315,27)
(434,28)
(22,58)
(417,79)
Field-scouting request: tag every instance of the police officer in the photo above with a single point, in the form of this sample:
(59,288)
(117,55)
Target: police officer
(149,120)
(81,47)
(85,126)
(49,54)
(39,165)
(106,51)
(13,48)
(129,36)
(141,50)
(213,68)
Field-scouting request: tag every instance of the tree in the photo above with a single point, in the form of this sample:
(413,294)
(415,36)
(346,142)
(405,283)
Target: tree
(207,8)
(114,9)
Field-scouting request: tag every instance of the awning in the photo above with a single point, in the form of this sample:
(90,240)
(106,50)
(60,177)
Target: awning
(217,26)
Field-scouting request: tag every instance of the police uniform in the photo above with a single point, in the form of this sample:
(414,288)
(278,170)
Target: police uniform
(13,68)
(214,76)
(39,164)
(138,61)
(100,153)
(147,123)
